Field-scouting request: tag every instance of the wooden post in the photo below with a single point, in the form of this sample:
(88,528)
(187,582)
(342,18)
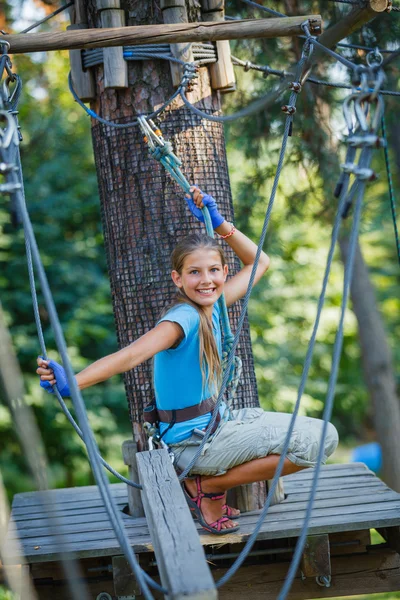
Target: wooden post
(115,66)
(129,453)
(180,557)
(83,81)
(174,11)
(157,34)
(221,73)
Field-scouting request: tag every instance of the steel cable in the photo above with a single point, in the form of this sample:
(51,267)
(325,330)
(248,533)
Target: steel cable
(391,188)
(303,381)
(288,124)
(79,406)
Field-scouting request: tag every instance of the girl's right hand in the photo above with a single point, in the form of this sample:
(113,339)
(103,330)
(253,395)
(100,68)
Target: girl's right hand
(51,373)
(198,200)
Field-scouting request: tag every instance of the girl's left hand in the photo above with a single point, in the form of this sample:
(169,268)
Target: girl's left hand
(51,373)
(198,200)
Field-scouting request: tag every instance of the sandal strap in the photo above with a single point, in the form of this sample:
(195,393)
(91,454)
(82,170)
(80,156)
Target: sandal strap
(218,523)
(201,494)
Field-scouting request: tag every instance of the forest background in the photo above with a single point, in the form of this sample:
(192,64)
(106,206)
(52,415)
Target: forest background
(62,197)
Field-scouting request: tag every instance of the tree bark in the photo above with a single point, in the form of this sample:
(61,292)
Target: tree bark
(143,210)
(377,367)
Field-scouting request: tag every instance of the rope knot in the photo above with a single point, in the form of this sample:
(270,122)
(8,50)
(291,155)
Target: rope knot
(247,66)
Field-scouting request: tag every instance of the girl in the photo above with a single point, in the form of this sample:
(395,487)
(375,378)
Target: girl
(186,345)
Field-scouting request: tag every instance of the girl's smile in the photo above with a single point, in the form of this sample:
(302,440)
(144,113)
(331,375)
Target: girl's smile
(203,277)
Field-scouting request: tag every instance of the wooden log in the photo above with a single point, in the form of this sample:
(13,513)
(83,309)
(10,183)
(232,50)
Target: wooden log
(129,452)
(174,11)
(83,81)
(157,34)
(376,571)
(221,73)
(180,557)
(115,66)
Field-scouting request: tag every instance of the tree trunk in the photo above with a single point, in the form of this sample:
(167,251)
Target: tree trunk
(143,210)
(377,367)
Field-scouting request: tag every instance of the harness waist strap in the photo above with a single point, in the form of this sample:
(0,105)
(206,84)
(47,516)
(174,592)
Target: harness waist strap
(190,412)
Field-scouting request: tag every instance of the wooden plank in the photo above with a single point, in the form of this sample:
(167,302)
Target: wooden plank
(91,514)
(180,558)
(174,11)
(89,522)
(374,572)
(336,521)
(158,34)
(331,474)
(115,66)
(66,494)
(222,74)
(107,545)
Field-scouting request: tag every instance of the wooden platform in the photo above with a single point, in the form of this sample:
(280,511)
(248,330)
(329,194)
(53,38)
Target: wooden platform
(349,498)
(350,502)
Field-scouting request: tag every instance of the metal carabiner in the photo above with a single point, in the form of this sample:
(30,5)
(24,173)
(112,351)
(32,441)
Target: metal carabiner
(10,132)
(374,54)
(361,111)
(347,112)
(379,111)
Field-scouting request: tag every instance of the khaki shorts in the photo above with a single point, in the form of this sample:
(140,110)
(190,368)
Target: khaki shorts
(253,433)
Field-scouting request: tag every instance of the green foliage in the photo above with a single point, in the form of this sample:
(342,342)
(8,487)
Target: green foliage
(62,198)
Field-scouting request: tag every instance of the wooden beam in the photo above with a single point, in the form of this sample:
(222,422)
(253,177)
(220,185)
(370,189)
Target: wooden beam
(376,571)
(158,34)
(180,556)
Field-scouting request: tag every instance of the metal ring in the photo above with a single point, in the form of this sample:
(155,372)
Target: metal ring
(374,54)
(6,44)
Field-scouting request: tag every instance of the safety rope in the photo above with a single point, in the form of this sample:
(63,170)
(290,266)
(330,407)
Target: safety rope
(391,187)
(161,150)
(48,17)
(362,174)
(203,53)
(266,70)
(287,130)
(9,144)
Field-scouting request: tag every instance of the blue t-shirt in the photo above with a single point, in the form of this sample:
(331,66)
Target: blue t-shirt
(177,373)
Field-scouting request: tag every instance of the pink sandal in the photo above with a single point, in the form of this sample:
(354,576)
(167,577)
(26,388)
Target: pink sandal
(195,506)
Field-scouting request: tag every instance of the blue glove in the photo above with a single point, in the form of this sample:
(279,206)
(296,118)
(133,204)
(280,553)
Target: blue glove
(209,202)
(61,379)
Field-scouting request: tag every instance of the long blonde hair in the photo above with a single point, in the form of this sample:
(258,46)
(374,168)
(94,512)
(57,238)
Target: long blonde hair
(210,361)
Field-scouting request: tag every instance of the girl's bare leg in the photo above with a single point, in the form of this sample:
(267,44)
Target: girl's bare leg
(259,469)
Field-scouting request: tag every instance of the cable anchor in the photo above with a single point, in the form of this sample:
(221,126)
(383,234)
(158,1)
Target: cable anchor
(295,86)
(288,109)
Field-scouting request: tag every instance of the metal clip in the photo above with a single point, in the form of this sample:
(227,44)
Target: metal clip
(10,132)
(295,86)
(288,109)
